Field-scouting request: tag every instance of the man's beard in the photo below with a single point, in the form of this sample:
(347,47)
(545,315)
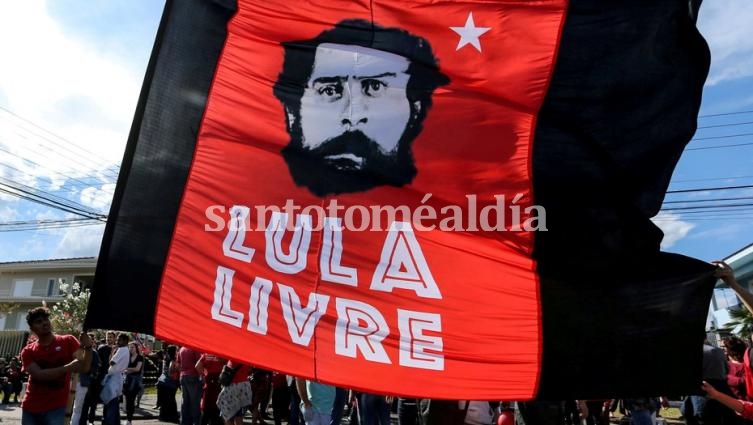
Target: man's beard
(350,162)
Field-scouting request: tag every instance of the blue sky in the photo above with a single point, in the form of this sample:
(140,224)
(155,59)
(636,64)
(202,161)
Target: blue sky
(726,26)
(77,70)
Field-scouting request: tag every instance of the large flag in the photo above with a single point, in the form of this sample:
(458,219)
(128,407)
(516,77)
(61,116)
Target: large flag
(432,199)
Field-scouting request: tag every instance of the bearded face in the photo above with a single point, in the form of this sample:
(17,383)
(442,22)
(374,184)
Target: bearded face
(350,132)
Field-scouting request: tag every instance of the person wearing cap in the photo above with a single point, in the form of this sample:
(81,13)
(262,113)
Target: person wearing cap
(49,362)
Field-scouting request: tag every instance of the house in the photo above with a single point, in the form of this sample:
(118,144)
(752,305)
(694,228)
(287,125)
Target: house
(724,299)
(25,284)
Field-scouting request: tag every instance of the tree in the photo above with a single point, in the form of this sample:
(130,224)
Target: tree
(8,308)
(67,316)
(741,323)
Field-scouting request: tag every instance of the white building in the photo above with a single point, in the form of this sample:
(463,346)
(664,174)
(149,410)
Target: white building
(25,284)
(724,298)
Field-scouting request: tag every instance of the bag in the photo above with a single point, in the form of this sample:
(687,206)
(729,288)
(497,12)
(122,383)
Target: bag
(227,374)
(441,412)
(108,391)
(234,397)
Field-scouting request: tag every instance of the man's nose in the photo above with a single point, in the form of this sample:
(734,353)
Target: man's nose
(355,110)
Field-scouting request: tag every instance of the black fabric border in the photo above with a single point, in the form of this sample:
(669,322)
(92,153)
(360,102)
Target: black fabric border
(620,319)
(156,164)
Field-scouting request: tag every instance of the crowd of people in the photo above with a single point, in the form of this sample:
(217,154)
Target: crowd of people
(11,379)
(215,391)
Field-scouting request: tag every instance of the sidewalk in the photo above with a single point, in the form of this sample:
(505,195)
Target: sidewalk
(145,414)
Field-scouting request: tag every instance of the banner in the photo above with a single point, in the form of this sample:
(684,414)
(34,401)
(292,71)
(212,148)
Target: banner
(445,200)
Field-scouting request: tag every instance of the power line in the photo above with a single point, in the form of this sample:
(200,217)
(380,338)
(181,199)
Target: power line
(699,207)
(74,188)
(67,177)
(725,125)
(725,114)
(722,137)
(78,159)
(705,189)
(719,147)
(35,227)
(712,179)
(20,193)
(52,205)
(720,215)
(20,225)
(46,195)
(742,198)
(34,144)
(71,144)
(43,221)
(705,218)
(720,210)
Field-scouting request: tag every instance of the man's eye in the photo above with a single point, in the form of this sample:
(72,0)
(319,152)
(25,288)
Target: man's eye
(373,87)
(333,91)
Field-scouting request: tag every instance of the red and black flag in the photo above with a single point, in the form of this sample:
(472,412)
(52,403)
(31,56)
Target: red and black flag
(435,199)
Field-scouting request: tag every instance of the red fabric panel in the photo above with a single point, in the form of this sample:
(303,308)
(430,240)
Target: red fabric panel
(476,140)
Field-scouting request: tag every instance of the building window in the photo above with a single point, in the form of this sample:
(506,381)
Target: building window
(22,288)
(84,281)
(12,321)
(53,287)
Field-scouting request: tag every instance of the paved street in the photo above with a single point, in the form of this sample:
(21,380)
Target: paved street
(11,414)
(146,414)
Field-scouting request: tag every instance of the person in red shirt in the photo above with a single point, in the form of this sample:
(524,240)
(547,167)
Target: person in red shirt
(49,362)
(727,275)
(743,408)
(735,348)
(190,386)
(210,366)
(233,399)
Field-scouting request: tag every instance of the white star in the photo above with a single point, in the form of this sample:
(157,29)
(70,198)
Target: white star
(470,33)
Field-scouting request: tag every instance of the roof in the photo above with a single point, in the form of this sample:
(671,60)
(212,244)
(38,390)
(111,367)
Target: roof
(67,263)
(744,255)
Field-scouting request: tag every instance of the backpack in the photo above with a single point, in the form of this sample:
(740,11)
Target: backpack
(441,412)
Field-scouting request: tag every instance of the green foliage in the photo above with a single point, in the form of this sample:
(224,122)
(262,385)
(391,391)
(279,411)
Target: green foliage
(742,319)
(8,308)
(67,316)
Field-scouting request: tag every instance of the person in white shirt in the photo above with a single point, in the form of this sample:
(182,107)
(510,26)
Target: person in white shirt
(113,382)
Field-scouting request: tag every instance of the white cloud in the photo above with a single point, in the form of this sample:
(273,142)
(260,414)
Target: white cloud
(98,198)
(49,215)
(83,89)
(31,248)
(6,212)
(80,242)
(726,25)
(723,232)
(673,226)
(65,84)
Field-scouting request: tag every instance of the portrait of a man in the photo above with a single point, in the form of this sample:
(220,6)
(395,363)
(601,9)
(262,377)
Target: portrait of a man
(355,98)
